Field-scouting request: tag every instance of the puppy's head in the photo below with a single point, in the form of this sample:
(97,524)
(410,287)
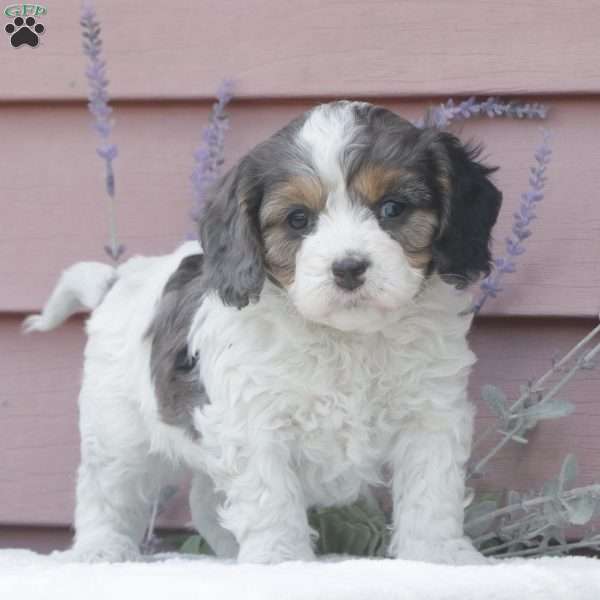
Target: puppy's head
(349,208)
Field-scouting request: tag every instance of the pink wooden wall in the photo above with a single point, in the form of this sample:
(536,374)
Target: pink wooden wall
(165,61)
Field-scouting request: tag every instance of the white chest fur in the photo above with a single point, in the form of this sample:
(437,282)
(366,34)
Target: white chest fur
(334,401)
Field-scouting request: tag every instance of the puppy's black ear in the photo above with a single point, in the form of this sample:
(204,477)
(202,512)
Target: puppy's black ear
(469,207)
(230,237)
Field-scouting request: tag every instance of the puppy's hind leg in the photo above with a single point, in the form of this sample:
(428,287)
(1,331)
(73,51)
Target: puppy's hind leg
(114,500)
(204,504)
(118,477)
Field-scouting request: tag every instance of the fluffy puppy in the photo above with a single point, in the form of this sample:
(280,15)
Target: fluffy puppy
(318,336)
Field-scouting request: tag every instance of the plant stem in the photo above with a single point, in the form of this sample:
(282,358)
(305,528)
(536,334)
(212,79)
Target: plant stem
(112,212)
(507,436)
(505,529)
(551,549)
(494,549)
(537,387)
(525,504)
(556,367)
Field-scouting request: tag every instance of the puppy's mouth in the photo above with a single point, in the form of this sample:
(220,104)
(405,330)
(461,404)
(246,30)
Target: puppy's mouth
(360,298)
(368,296)
(350,298)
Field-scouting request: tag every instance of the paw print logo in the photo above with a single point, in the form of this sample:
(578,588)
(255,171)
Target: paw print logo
(24,31)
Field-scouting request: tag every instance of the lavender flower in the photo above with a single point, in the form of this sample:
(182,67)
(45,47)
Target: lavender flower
(101,111)
(490,286)
(209,156)
(441,116)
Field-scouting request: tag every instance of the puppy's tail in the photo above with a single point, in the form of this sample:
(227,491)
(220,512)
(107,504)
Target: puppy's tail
(80,287)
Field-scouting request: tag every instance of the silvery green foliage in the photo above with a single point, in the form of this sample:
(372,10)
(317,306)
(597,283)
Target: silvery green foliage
(533,524)
(516,422)
(538,400)
(359,530)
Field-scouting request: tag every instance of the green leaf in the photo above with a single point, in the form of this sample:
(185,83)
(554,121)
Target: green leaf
(478,511)
(581,510)
(568,471)
(553,409)
(358,530)
(513,498)
(195,544)
(551,488)
(496,400)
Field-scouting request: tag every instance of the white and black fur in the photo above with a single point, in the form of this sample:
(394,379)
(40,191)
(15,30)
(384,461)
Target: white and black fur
(318,336)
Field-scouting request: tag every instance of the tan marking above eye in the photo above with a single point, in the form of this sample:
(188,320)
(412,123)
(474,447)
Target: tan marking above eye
(373,182)
(297,191)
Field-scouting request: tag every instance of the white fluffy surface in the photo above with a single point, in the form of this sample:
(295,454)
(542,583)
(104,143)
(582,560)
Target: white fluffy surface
(25,575)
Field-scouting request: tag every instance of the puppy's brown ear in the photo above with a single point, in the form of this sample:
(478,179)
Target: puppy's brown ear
(231,240)
(469,207)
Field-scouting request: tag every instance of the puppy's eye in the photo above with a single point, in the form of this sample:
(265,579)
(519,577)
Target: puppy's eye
(389,209)
(298,219)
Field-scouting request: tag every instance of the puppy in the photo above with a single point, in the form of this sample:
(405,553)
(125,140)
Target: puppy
(317,336)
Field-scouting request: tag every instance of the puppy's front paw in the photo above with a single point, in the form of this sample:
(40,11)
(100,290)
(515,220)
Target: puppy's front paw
(459,551)
(262,552)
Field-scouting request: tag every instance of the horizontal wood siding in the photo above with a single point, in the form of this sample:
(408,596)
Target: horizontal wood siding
(54,204)
(299,48)
(39,443)
(39,539)
(165,60)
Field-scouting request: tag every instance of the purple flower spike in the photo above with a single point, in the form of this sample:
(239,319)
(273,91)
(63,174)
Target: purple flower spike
(490,286)
(209,157)
(98,106)
(441,116)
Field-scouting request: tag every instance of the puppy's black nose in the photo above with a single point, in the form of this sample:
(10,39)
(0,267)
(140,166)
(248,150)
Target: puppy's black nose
(348,272)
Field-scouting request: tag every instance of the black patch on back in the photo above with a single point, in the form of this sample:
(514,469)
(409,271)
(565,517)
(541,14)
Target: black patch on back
(174,371)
